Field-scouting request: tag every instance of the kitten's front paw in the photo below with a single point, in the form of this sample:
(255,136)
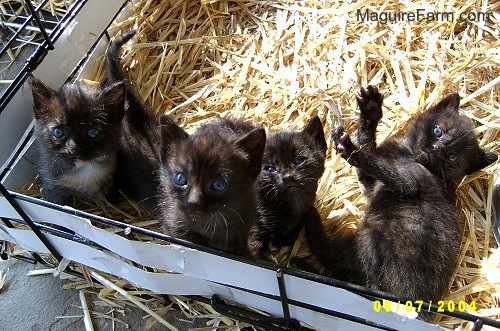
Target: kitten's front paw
(343,143)
(54,195)
(262,254)
(370,104)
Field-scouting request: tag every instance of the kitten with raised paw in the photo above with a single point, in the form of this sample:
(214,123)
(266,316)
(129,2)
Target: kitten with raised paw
(77,129)
(292,166)
(208,193)
(409,239)
(339,256)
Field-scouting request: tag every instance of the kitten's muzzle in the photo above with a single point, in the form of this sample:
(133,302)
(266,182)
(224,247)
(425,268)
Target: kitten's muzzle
(291,187)
(429,148)
(78,162)
(424,155)
(288,182)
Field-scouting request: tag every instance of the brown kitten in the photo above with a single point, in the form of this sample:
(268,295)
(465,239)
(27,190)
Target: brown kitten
(77,131)
(137,172)
(292,165)
(409,239)
(209,182)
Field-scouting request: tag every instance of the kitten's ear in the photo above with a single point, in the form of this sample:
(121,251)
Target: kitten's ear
(171,134)
(253,144)
(314,128)
(484,160)
(450,103)
(44,98)
(113,97)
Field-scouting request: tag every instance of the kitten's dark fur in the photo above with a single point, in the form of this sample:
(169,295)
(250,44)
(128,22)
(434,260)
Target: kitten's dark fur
(209,182)
(139,149)
(292,165)
(338,255)
(77,130)
(409,239)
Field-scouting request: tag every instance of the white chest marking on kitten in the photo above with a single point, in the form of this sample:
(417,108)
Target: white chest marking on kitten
(89,176)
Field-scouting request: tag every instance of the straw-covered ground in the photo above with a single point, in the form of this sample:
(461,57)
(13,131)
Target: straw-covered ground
(280,62)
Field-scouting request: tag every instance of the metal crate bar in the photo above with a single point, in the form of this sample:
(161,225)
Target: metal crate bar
(38,54)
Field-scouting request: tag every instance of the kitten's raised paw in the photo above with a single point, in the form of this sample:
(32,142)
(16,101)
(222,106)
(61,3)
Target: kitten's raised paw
(370,103)
(336,137)
(343,143)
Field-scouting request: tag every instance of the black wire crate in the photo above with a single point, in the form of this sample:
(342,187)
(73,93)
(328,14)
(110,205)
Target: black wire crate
(28,30)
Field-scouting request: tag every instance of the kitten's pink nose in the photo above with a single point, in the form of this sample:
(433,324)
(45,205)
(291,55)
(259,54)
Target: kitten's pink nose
(429,148)
(194,197)
(79,163)
(287,176)
(70,144)
(435,146)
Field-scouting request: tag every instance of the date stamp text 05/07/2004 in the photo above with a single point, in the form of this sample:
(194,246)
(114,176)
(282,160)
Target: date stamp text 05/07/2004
(442,306)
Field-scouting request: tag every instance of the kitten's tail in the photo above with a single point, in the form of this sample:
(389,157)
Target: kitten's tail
(139,115)
(114,72)
(338,256)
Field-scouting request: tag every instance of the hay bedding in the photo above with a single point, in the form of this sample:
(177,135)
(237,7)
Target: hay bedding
(279,63)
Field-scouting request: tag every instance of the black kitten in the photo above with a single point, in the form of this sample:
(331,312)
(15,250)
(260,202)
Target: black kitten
(77,130)
(209,182)
(139,147)
(409,240)
(292,165)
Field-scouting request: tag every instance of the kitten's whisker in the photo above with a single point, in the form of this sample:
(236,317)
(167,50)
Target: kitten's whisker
(227,227)
(266,187)
(457,139)
(237,214)
(266,195)
(214,223)
(311,179)
(275,195)
(273,191)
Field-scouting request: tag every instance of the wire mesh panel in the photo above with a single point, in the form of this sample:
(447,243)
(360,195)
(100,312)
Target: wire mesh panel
(27,31)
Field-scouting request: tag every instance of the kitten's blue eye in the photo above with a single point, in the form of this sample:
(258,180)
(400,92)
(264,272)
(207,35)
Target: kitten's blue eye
(270,168)
(92,133)
(219,185)
(57,133)
(299,160)
(180,179)
(453,157)
(438,131)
